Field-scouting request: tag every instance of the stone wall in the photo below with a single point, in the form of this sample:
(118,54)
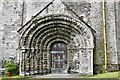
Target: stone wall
(111,17)
(11,16)
(118,31)
(10,23)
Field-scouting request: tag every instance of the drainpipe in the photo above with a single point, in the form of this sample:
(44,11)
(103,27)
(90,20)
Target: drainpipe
(104,35)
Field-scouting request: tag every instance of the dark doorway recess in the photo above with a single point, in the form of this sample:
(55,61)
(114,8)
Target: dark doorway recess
(58,57)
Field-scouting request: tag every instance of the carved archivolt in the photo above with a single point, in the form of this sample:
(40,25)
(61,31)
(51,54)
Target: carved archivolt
(41,29)
(40,33)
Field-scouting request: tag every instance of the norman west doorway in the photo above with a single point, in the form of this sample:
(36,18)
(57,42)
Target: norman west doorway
(51,43)
(58,57)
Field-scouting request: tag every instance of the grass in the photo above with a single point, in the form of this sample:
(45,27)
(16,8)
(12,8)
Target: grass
(14,77)
(105,75)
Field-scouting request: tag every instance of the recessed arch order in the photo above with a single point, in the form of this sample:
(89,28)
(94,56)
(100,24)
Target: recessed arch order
(40,33)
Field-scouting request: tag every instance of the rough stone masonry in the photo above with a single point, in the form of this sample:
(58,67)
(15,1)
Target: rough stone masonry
(14,14)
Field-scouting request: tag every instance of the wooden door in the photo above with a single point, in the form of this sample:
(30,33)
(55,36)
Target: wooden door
(58,57)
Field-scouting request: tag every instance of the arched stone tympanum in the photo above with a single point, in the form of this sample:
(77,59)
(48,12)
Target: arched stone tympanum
(38,36)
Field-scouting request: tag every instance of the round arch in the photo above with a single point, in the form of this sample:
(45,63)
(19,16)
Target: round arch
(38,35)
